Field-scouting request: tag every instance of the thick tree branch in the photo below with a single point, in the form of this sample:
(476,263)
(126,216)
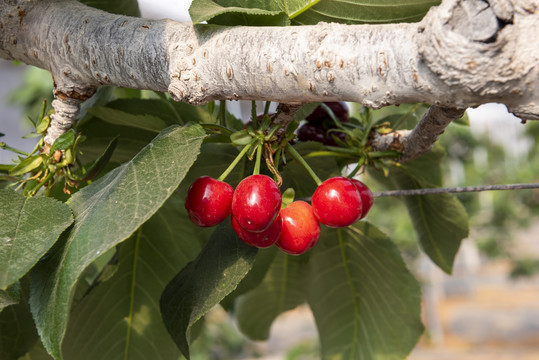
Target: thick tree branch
(463,53)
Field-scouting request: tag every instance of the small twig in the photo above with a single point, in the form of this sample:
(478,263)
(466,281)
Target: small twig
(462,189)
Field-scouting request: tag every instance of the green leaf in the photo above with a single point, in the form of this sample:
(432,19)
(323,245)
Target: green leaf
(281,290)
(241,137)
(101,162)
(365,302)
(28,228)
(43,124)
(17,331)
(26,165)
(122,7)
(126,307)
(226,12)
(215,273)
(10,296)
(118,117)
(107,212)
(63,141)
(440,220)
(361,11)
(463,120)
(264,259)
(306,110)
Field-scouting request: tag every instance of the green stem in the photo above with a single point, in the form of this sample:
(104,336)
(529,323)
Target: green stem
(253,114)
(343,150)
(236,160)
(42,112)
(330,153)
(258,158)
(381,154)
(296,156)
(266,108)
(5,146)
(222,113)
(222,129)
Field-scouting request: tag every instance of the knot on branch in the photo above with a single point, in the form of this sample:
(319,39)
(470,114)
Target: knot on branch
(467,40)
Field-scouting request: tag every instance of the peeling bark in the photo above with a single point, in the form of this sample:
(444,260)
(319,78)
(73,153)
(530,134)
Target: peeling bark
(462,54)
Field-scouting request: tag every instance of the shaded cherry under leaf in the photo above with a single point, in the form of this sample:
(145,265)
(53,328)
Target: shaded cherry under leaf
(309,132)
(340,110)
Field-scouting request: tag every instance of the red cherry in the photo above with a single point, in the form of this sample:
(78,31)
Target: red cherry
(256,203)
(262,239)
(300,229)
(366,196)
(337,203)
(208,201)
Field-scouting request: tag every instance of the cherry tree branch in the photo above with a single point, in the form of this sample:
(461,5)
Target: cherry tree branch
(413,143)
(462,54)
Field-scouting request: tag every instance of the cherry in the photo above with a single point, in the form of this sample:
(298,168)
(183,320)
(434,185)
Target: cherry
(262,239)
(336,202)
(366,196)
(208,201)
(300,229)
(309,132)
(256,203)
(340,109)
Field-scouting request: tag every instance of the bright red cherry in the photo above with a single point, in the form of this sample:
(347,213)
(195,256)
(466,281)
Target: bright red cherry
(300,229)
(256,203)
(336,202)
(208,201)
(366,196)
(262,239)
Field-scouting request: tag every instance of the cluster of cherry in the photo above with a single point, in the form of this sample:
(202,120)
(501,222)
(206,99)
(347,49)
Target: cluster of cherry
(259,220)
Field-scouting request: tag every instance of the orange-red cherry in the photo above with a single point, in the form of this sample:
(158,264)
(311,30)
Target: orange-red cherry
(208,201)
(337,203)
(256,203)
(300,229)
(262,239)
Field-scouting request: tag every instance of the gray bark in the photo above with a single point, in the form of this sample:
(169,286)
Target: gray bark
(463,53)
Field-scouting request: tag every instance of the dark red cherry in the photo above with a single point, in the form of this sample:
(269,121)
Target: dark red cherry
(262,239)
(309,132)
(256,202)
(366,196)
(300,229)
(208,201)
(336,202)
(340,109)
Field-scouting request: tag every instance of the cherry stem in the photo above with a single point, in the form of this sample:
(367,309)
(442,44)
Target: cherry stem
(331,115)
(236,161)
(462,189)
(253,114)
(296,156)
(266,107)
(5,146)
(258,158)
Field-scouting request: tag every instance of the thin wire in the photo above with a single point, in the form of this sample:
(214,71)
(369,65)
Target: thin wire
(462,189)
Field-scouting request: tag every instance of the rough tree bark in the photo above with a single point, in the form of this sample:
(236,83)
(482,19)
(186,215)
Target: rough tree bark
(463,53)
